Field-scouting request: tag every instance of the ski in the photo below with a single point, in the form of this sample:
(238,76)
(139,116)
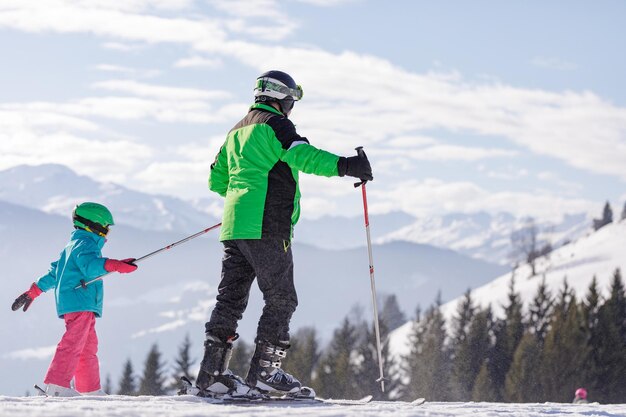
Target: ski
(257,398)
(40,390)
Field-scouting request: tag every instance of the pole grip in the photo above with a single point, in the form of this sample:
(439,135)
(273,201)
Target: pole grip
(360,152)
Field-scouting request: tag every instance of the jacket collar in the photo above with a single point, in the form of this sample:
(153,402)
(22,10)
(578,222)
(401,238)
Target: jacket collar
(261,106)
(85,235)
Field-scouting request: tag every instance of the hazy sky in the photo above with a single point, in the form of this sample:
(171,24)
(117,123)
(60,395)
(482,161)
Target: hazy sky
(515,106)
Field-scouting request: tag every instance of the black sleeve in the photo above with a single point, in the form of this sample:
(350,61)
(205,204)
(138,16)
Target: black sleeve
(285,131)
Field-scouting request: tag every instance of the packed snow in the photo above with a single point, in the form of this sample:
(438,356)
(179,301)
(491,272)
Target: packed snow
(188,406)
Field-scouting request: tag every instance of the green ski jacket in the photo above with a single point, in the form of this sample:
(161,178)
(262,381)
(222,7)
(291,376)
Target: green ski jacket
(257,169)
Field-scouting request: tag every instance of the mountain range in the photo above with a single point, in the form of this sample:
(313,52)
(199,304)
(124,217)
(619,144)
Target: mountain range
(55,188)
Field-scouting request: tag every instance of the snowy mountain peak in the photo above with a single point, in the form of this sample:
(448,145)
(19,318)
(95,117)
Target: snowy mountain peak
(56,189)
(486,236)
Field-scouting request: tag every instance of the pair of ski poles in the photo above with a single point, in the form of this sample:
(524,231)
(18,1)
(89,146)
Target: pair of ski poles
(381,379)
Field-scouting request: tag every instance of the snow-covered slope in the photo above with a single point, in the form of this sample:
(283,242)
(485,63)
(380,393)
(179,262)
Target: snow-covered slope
(595,254)
(173,294)
(186,406)
(485,236)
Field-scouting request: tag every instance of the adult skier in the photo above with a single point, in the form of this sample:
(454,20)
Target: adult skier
(256,170)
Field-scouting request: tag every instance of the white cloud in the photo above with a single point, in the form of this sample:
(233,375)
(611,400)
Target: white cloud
(161,92)
(32,353)
(132,5)
(560,125)
(350,99)
(164,104)
(260,19)
(143,73)
(199,62)
(41,137)
(119,46)
(456,153)
(567,187)
(403,142)
(432,196)
(509,174)
(118,23)
(327,3)
(180,177)
(579,128)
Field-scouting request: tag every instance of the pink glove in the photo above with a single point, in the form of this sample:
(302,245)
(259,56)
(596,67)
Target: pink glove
(123,267)
(26,298)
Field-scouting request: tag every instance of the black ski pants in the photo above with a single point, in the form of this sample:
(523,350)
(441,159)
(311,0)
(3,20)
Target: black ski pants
(271,262)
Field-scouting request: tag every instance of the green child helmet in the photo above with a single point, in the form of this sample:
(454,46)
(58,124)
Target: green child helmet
(93,217)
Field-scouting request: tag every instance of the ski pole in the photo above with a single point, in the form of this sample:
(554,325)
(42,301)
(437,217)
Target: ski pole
(381,379)
(83,283)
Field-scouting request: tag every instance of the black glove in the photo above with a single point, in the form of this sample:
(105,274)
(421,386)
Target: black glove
(355,166)
(22,300)
(26,298)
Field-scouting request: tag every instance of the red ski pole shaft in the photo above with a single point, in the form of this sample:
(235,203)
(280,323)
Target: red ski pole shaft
(381,379)
(83,283)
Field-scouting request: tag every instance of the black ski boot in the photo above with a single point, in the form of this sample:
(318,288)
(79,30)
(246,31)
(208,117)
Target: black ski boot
(265,374)
(214,378)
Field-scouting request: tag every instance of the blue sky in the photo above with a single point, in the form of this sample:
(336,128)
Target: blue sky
(514,106)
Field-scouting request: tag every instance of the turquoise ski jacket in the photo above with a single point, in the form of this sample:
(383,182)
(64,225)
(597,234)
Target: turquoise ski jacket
(81,259)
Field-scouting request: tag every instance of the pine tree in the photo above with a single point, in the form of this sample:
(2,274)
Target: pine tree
(462,378)
(183,364)
(540,311)
(478,345)
(623,216)
(610,346)
(508,333)
(607,217)
(368,371)
(108,388)
(411,363)
(485,389)
(152,381)
(565,349)
(391,314)
(429,360)
(240,361)
(304,355)
(522,383)
(127,383)
(337,371)
(591,309)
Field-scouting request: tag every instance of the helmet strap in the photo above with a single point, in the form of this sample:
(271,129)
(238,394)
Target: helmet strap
(97,228)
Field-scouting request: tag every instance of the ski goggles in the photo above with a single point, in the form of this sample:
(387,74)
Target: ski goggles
(265,84)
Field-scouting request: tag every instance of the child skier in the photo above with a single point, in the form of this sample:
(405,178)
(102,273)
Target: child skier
(81,259)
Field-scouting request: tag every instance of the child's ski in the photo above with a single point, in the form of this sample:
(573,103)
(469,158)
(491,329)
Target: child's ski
(41,390)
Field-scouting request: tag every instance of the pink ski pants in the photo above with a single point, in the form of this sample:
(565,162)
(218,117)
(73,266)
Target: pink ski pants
(75,356)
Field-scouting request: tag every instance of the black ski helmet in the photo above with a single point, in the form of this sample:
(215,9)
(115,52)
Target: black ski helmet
(277,86)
